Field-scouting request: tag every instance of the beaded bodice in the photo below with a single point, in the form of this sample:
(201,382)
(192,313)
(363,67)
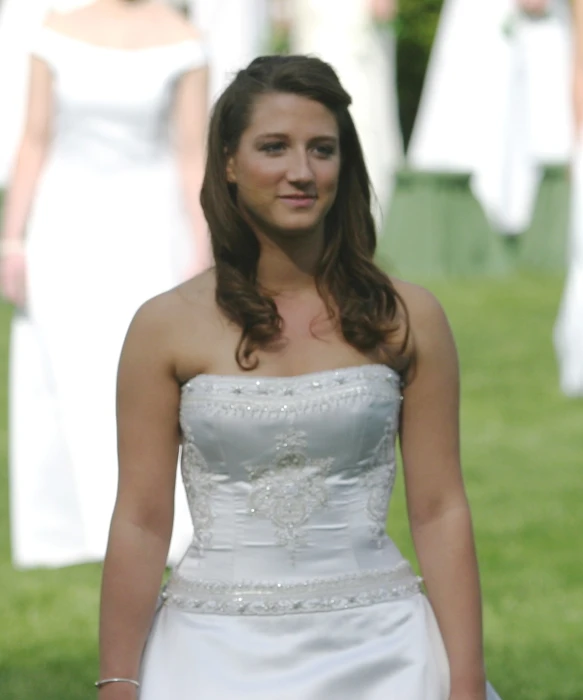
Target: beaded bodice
(288,482)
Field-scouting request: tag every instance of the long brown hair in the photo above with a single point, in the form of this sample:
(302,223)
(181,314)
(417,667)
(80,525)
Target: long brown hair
(356,292)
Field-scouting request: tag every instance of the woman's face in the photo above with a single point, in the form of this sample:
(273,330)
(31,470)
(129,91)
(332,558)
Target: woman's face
(287,165)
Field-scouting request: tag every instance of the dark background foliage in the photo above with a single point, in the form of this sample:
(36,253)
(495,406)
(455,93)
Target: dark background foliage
(416,30)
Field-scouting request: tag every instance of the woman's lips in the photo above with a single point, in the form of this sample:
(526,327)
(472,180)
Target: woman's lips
(299,201)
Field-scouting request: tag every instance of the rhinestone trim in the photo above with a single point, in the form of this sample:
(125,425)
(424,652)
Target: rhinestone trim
(353,590)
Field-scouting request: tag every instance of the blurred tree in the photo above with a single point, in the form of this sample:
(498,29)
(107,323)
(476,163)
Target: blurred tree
(416,28)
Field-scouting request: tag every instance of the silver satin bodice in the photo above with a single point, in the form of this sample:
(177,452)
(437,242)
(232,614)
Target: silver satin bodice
(288,482)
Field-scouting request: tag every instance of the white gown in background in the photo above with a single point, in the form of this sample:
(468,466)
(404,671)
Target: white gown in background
(496,103)
(19,21)
(291,589)
(568,333)
(235,32)
(344,35)
(107,231)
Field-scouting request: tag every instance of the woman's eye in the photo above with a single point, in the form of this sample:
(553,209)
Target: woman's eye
(325,151)
(273,148)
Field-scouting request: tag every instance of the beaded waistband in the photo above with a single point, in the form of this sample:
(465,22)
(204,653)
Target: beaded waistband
(271,598)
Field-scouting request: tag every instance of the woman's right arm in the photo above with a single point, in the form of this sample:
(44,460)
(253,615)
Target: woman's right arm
(29,162)
(141,526)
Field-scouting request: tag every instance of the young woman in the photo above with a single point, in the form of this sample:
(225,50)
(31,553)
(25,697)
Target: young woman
(286,374)
(102,213)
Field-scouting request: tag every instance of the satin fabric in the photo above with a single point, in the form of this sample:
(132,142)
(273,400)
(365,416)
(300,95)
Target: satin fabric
(374,653)
(289,482)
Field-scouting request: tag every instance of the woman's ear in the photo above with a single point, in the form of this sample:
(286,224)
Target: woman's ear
(231,177)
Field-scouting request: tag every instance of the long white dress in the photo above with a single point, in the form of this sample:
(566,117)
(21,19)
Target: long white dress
(235,32)
(291,589)
(107,231)
(344,35)
(568,332)
(496,103)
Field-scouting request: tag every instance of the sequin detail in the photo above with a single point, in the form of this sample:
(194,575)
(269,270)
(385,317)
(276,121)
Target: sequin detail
(276,598)
(288,491)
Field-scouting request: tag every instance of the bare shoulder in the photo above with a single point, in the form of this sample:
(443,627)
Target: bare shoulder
(175,25)
(431,341)
(190,304)
(423,308)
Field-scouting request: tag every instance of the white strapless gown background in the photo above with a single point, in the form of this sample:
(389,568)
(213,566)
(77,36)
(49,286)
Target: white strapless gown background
(496,103)
(291,590)
(568,333)
(344,35)
(235,32)
(107,231)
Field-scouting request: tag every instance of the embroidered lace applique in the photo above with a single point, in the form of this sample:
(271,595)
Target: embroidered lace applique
(379,481)
(288,491)
(199,485)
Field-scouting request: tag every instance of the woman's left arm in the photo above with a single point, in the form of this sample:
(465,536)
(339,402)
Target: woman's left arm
(439,513)
(190,121)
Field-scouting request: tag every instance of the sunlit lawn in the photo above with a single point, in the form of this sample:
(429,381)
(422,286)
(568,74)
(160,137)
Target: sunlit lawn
(523,455)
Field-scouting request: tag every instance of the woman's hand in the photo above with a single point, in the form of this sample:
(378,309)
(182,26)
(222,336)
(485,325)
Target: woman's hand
(534,7)
(383,10)
(13,275)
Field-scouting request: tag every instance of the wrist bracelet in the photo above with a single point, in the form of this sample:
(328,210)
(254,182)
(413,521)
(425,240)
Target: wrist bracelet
(107,681)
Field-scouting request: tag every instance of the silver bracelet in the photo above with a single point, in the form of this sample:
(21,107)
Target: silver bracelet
(107,681)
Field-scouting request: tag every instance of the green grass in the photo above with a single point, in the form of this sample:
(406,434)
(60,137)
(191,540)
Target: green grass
(523,453)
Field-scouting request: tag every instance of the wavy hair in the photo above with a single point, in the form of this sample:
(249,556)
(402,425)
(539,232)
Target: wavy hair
(357,294)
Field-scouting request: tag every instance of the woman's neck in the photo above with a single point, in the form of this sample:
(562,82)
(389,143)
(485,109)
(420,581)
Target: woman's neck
(289,267)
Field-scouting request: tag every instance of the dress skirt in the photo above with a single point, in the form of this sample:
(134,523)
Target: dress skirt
(387,651)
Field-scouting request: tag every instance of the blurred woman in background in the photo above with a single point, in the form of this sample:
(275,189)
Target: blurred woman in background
(357,39)
(102,213)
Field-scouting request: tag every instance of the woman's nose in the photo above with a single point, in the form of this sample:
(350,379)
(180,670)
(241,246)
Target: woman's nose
(299,168)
